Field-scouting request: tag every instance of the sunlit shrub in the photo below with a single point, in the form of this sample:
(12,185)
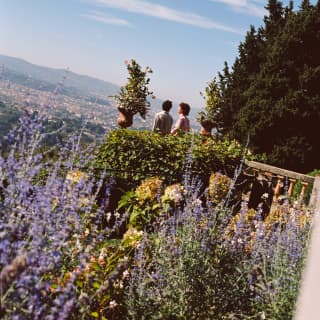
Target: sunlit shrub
(218,187)
(135,155)
(143,204)
(173,195)
(148,190)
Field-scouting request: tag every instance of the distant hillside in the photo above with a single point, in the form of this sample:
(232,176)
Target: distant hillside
(25,73)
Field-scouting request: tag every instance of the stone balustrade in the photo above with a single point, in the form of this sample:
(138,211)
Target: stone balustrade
(283,181)
(278,181)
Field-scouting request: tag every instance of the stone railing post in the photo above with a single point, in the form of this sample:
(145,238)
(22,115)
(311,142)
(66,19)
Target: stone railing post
(291,186)
(277,188)
(303,190)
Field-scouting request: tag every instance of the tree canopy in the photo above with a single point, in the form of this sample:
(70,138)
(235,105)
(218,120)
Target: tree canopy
(272,91)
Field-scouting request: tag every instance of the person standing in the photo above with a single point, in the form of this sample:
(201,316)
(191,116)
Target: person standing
(163,120)
(183,123)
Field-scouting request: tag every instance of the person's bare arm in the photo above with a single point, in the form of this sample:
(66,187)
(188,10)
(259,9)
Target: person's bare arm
(177,126)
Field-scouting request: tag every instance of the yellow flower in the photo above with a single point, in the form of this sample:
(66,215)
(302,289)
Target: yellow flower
(303,219)
(278,215)
(149,189)
(173,193)
(248,223)
(218,187)
(132,237)
(75,176)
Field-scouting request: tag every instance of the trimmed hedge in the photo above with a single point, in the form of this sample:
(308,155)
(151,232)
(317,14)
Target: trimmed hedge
(137,155)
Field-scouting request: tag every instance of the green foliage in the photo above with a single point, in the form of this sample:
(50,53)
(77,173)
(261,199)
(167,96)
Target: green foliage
(59,128)
(132,98)
(143,212)
(104,277)
(9,116)
(149,201)
(135,155)
(272,92)
(212,97)
(298,186)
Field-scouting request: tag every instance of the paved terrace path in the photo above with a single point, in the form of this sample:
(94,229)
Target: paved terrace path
(308,307)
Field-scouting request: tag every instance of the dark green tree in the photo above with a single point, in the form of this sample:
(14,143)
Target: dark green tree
(272,92)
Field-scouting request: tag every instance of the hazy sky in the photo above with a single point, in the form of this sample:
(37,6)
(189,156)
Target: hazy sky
(185,42)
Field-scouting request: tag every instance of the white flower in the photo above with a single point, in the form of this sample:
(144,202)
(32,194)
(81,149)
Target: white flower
(197,202)
(260,234)
(112,304)
(83,297)
(125,274)
(109,214)
(79,245)
(102,255)
(117,215)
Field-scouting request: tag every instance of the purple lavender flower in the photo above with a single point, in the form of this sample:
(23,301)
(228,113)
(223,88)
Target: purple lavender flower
(45,222)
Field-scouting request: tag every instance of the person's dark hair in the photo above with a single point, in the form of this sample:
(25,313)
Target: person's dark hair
(167,105)
(185,108)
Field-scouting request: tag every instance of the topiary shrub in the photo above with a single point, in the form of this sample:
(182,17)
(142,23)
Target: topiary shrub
(132,98)
(209,117)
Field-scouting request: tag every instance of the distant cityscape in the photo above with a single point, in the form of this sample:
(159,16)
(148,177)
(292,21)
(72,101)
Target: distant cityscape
(76,100)
(57,105)
(63,95)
